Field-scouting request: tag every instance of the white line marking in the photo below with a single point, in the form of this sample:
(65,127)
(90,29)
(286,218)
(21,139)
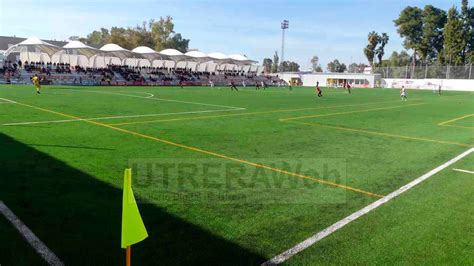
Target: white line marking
(354,216)
(464,171)
(157,99)
(150,95)
(7,101)
(117,117)
(30,237)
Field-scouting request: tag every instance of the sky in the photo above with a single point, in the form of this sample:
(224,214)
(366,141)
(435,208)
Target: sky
(330,29)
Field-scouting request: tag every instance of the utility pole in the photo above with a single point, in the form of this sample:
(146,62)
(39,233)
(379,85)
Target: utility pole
(284,25)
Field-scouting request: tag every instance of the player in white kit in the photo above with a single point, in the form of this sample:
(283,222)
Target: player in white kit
(403,94)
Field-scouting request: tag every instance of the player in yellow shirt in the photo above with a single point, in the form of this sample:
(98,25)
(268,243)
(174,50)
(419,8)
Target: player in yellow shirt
(36,81)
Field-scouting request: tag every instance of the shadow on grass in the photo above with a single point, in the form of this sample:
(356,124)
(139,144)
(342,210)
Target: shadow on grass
(70,147)
(79,217)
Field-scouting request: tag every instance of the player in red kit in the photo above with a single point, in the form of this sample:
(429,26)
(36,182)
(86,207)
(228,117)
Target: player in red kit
(318,89)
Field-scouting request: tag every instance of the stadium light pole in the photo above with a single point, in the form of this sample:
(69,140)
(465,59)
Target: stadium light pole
(284,25)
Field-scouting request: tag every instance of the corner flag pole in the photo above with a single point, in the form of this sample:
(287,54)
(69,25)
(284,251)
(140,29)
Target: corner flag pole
(133,229)
(129,256)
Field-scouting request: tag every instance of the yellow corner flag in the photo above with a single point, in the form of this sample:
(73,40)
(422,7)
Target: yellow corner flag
(133,229)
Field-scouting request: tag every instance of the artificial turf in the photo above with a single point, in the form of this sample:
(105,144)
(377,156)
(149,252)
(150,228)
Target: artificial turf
(64,179)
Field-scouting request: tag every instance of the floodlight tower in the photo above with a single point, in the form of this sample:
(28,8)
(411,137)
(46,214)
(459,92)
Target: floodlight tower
(284,25)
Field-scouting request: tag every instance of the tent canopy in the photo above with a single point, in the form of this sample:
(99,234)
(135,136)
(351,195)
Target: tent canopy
(111,50)
(34,44)
(114,50)
(79,48)
(241,59)
(174,55)
(149,53)
(220,58)
(196,56)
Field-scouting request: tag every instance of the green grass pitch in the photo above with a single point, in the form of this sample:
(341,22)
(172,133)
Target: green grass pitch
(252,173)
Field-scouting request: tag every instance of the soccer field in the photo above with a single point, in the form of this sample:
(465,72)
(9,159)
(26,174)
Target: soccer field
(250,174)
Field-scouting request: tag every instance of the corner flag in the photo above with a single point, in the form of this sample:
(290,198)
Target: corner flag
(133,229)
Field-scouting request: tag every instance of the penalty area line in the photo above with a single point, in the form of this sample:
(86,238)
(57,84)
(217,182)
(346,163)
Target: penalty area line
(356,215)
(30,237)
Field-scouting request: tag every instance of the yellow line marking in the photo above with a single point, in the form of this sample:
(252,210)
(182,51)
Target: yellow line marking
(380,133)
(242,114)
(290,120)
(349,112)
(445,123)
(321,181)
(458,126)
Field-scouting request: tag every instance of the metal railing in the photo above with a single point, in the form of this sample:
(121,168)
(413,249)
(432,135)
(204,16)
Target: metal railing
(426,72)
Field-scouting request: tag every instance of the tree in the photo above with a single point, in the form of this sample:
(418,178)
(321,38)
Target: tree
(162,32)
(315,64)
(410,27)
(336,66)
(267,65)
(399,59)
(467,16)
(454,41)
(98,38)
(178,42)
(369,50)
(353,68)
(289,66)
(397,63)
(357,68)
(141,35)
(431,45)
(294,67)
(380,51)
(155,34)
(119,36)
(276,62)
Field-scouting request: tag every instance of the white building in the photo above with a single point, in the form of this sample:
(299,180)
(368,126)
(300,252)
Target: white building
(357,80)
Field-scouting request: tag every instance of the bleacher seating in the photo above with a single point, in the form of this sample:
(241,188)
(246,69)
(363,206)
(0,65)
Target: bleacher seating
(65,74)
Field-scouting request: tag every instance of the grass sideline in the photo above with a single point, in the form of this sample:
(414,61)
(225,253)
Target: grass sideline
(67,176)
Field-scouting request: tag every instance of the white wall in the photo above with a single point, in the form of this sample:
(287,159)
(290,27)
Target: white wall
(430,84)
(310,79)
(287,76)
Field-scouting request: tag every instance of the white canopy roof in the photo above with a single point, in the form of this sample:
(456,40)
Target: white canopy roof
(149,53)
(241,59)
(34,44)
(144,50)
(79,48)
(174,55)
(220,58)
(197,56)
(114,50)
